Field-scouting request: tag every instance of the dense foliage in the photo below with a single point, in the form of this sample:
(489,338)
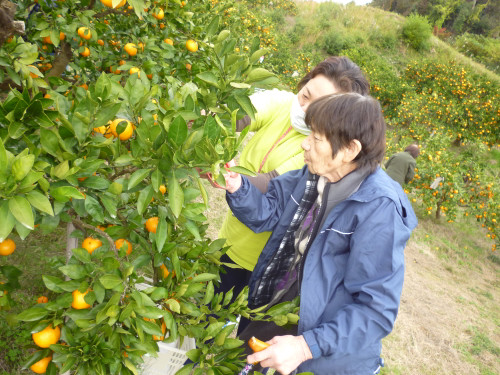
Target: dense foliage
(109,113)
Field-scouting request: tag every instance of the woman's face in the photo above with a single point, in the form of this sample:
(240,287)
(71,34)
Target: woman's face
(318,157)
(316,88)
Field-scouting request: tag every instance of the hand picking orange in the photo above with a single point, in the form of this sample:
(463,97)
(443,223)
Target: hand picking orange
(257,345)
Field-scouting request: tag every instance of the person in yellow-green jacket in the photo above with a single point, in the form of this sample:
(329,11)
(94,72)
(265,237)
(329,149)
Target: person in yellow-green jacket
(274,149)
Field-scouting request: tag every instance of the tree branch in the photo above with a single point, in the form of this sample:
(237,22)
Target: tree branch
(80,224)
(62,59)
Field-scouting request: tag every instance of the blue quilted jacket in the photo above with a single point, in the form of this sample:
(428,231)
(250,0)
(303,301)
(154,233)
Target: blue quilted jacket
(353,273)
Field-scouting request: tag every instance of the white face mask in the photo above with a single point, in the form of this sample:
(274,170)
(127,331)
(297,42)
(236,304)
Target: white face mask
(297,116)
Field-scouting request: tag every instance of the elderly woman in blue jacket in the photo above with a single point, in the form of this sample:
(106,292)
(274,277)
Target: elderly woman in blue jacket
(339,229)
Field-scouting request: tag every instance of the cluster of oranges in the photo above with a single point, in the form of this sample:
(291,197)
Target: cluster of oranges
(111,129)
(44,339)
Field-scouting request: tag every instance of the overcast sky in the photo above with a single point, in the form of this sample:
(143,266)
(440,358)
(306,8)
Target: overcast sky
(358,2)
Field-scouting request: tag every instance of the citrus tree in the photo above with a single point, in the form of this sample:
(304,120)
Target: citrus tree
(109,113)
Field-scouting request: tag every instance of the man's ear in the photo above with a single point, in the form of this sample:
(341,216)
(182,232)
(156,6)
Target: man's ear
(352,151)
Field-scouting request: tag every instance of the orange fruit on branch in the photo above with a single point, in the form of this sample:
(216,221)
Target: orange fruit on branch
(84,33)
(135,70)
(163,330)
(119,243)
(40,367)
(131,49)
(163,189)
(164,271)
(47,336)
(42,299)
(159,14)
(79,300)
(152,224)
(169,41)
(90,244)
(85,52)
(126,133)
(7,247)
(109,3)
(191,45)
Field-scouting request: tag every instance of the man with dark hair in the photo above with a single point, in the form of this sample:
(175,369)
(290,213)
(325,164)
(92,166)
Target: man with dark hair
(401,166)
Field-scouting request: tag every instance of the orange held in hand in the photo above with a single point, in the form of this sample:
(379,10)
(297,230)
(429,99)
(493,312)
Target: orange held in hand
(7,247)
(47,336)
(40,367)
(257,345)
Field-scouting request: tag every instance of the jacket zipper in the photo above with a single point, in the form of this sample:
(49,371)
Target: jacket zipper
(313,235)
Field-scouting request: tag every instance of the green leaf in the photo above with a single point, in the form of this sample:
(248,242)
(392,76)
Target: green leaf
(32,314)
(161,234)
(110,281)
(257,55)
(204,277)
(213,26)
(137,177)
(194,354)
(8,221)
(243,170)
(40,202)
(240,85)
(175,195)
(209,78)
(258,74)
(193,229)
(109,204)
(96,182)
(144,199)
(81,254)
(64,193)
(178,131)
(21,210)
(50,142)
(246,104)
(61,170)
(232,343)
(3,158)
(73,271)
(53,283)
(106,113)
(22,166)
(94,209)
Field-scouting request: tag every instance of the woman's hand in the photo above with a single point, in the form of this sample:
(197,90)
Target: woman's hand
(233,179)
(284,354)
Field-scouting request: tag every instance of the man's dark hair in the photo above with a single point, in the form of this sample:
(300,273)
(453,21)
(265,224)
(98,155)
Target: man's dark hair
(413,150)
(344,74)
(342,118)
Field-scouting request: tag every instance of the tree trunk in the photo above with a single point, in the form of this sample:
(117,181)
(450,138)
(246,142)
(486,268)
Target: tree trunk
(8,26)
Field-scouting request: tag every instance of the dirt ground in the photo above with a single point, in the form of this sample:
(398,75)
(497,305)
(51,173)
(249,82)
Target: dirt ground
(448,319)
(448,323)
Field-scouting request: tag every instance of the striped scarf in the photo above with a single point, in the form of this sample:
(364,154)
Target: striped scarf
(284,257)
